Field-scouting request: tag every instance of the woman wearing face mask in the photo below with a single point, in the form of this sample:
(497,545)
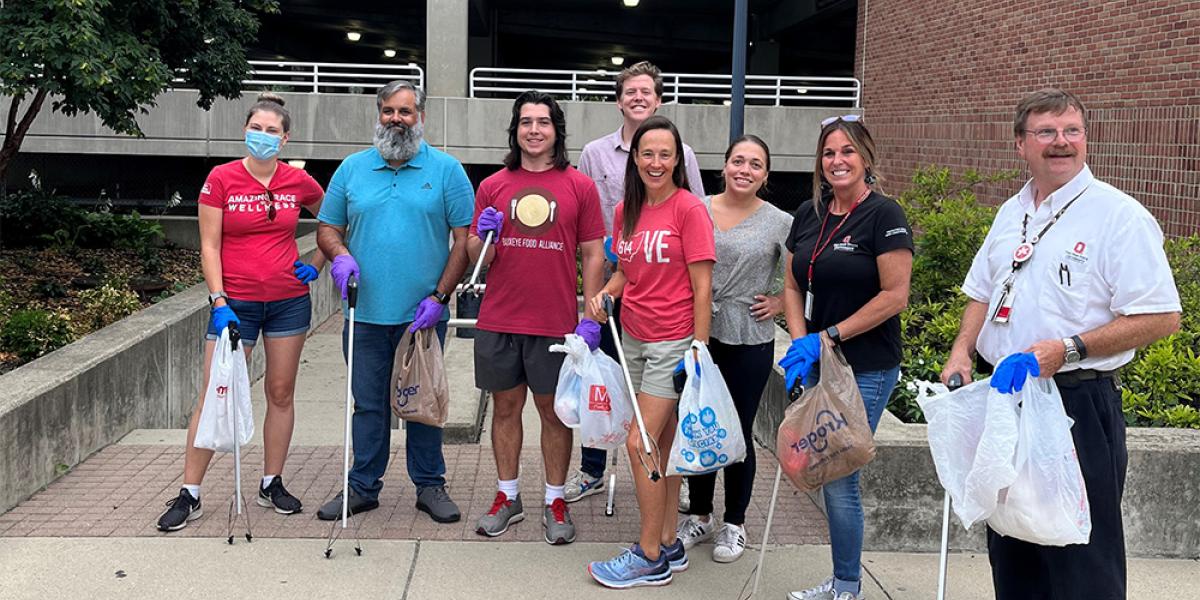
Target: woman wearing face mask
(249,209)
(750,236)
(850,260)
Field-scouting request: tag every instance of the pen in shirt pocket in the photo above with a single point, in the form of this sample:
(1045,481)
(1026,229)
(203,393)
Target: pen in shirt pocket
(1064,274)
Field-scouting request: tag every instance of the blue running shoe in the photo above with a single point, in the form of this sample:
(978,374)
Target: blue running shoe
(676,555)
(631,569)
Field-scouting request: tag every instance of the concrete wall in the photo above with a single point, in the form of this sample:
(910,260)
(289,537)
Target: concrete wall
(902,499)
(143,371)
(331,126)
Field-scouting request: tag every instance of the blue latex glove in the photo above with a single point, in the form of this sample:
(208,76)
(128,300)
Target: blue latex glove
(343,267)
(800,358)
(222,316)
(305,272)
(683,365)
(489,220)
(429,312)
(608,251)
(1012,372)
(589,330)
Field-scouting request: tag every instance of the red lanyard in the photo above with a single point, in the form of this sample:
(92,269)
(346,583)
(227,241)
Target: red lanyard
(819,247)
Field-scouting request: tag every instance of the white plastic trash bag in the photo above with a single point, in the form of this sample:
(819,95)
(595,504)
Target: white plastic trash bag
(1047,504)
(228,386)
(708,436)
(591,395)
(973,438)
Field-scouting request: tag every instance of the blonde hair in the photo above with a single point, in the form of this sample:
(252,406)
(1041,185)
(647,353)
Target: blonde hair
(644,67)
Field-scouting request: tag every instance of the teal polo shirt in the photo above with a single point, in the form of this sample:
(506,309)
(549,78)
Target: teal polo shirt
(398,222)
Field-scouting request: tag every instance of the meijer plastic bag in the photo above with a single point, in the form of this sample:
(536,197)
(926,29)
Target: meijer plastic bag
(420,392)
(591,395)
(228,384)
(825,434)
(708,436)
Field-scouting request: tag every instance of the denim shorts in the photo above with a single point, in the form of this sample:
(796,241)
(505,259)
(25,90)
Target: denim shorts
(277,318)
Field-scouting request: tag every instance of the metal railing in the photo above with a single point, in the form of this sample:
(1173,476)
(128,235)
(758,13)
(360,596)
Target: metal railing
(678,88)
(323,77)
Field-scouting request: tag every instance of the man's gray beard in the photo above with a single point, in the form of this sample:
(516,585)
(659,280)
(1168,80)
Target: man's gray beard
(399,143)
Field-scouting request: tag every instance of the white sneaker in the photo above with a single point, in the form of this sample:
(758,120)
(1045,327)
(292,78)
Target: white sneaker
(731,542)
(685,496)
(580,485)
(693,531)
(821,592)
(849,596)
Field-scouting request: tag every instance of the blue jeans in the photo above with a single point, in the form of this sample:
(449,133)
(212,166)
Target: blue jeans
(843,499)
(374,353)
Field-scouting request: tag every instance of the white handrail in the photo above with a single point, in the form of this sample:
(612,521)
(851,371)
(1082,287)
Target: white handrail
(777,90)
(318,77)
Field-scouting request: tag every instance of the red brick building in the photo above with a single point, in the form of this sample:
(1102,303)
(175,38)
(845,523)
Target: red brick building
(941,78)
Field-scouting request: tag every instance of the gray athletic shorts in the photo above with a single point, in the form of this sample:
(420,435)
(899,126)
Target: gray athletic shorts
(652,364)
(505,360)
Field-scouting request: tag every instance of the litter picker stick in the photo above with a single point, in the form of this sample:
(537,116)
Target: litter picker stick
(795,393)
(351,301)
(955,382)
(471,285)
(238,503)
(637,412)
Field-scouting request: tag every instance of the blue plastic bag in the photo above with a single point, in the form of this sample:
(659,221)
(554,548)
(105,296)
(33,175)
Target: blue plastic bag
(709,434)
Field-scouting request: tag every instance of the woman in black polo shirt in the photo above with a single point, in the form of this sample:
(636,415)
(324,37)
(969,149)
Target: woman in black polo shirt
(851,262)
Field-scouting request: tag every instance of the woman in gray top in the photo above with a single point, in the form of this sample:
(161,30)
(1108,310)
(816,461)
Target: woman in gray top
(750,235)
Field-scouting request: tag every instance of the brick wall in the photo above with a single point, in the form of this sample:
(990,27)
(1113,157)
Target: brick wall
(941,79)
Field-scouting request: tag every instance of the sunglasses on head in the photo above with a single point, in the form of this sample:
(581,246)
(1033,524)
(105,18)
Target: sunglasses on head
(846,118)
(270,200)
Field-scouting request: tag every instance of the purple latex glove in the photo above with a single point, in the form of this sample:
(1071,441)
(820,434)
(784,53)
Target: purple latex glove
(589,330)
(489,220)
(429,312)
(343,268)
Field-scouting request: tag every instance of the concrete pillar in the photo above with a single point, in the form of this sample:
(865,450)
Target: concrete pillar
(446,47)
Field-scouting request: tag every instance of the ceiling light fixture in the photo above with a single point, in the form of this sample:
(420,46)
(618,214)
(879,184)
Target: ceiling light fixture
(353,36)
(299,164)
(389,53)
(618,60)
(629,3)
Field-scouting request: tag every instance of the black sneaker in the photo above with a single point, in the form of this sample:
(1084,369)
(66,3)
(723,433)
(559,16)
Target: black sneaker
(180,510)
(277,497)
(332,510)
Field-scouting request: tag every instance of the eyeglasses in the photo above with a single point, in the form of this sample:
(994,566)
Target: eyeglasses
(1047,136)
(846,118)
(270,204)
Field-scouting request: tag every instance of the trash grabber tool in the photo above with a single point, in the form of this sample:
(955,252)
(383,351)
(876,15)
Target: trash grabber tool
(797,390)
(646,444)
(237,505)
(335,531)
(955,382)
(472,285)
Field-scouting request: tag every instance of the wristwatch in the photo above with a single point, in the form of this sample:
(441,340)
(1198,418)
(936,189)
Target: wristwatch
(440,297)
(1072,354)
(212,298)
(834,335)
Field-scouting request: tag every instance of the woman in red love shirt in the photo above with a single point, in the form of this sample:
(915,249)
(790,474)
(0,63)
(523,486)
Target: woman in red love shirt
(663,237)
(249,209)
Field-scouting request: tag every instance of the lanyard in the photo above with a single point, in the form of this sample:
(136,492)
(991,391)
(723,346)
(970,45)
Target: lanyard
(1024,250)
(819,247)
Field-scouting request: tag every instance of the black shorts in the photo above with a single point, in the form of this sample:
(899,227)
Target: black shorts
(505,360)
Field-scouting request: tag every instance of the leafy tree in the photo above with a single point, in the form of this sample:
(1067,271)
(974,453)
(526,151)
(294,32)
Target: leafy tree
(113,57)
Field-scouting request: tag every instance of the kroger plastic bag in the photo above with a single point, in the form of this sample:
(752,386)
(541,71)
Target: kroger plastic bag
(709,435)
(228,385)
(973,438)
(1047,504)
(591,395)
(420,392)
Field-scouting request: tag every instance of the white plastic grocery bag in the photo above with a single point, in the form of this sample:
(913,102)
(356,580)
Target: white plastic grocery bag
(973,438)
(591,395)
(1047,504)
(228,385)
(709,434)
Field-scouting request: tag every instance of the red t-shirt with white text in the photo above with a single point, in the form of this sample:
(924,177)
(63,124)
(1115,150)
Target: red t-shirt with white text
(256,253)
(532,279)
(656,305)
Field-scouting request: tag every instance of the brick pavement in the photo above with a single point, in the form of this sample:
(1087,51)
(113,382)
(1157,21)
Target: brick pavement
(120,491)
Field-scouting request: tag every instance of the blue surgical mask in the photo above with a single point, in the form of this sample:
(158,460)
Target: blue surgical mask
(262,145)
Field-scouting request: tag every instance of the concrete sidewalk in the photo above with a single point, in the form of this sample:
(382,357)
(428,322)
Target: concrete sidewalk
(91,533)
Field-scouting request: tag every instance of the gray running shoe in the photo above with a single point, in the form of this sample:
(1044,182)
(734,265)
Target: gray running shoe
(557,521)
(580,485)
(332,510)
(504,512)
(434,501)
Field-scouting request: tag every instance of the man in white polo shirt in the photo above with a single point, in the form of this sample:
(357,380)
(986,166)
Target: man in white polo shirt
(639,94)
(1071,279)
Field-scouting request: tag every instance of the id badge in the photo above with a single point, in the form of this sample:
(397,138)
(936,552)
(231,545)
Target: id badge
(1004,306)
(808,304)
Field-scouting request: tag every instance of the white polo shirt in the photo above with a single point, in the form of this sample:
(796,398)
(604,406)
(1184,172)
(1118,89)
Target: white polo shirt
(1103,258)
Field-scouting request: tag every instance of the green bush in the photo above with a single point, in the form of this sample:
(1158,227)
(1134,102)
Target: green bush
(38,218)
(32,333)
(107,304)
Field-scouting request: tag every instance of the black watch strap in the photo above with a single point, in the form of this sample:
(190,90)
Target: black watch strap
(1079,347)
(440,297)
(834,335)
